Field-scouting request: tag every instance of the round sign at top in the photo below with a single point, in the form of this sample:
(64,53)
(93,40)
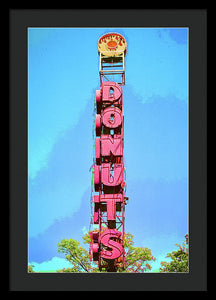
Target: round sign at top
(112,44)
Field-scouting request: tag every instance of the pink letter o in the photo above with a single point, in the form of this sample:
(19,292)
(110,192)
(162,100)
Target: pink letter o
(112,117)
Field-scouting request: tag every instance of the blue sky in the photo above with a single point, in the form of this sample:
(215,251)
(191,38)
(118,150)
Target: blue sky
(62,79)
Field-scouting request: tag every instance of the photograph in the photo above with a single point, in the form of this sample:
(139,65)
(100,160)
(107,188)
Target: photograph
(108,149)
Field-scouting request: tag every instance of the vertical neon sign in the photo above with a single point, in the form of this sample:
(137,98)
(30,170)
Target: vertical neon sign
(107,242)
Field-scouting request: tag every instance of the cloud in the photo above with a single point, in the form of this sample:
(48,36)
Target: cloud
(56,97)
(57,190)
(157,214)
(155,137)
(44,246)
(56,263)
(161,244)
(160,66)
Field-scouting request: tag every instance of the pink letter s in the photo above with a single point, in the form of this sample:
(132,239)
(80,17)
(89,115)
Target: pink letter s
(116,248)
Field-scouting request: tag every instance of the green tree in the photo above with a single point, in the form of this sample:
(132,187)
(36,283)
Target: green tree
(137,259)
(30,269)
(76,255)
(179,262)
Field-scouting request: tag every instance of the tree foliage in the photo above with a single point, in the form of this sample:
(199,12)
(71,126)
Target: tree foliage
(30,269)
(137,259)
(179,262)
(76,255)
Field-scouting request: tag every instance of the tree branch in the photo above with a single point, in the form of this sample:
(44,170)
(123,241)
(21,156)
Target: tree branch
(80,262)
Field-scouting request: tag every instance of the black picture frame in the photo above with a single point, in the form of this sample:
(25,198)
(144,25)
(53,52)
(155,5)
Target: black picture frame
(19,21)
